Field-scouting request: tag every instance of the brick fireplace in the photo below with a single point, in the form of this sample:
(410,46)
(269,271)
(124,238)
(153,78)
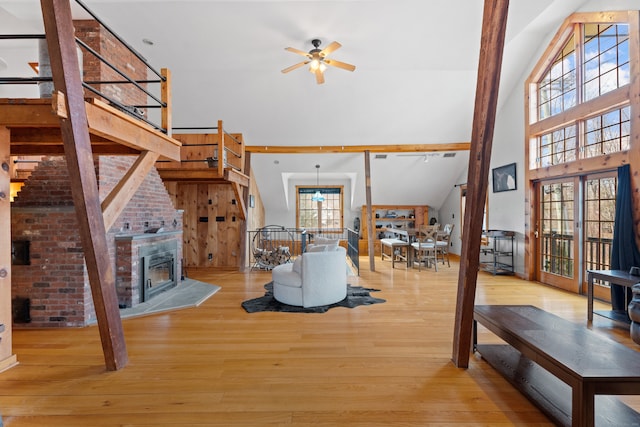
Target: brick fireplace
(49,270)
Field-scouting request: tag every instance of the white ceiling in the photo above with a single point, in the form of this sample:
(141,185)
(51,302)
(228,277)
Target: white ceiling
(414,82)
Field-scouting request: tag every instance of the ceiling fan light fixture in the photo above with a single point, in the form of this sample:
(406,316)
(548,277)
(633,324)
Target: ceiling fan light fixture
(317,60)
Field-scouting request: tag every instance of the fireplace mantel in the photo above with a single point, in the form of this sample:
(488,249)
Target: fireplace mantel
(146,236)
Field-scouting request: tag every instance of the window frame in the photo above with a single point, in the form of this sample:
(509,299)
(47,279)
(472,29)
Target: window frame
(627,95)
(308,189)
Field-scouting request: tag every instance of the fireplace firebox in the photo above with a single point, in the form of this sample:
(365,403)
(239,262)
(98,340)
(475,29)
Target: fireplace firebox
(159,267)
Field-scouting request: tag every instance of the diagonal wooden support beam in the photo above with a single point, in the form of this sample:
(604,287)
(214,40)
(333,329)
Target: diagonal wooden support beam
(237,190)
(59,29)
(116,201)
(494,25)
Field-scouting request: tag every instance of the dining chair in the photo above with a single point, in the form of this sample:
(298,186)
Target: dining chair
(424,246)
(443,241)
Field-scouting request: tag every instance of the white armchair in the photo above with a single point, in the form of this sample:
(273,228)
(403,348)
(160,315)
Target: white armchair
(313,279)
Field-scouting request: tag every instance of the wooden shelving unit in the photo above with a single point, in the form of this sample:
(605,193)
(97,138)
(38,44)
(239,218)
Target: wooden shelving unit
(396,216)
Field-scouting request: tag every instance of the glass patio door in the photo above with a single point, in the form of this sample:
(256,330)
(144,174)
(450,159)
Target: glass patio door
(565,249)
(599,218)
(557,230)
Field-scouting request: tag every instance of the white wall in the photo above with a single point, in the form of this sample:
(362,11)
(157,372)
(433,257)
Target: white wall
(17,60)
(287,218)
(450,213)
(507,208)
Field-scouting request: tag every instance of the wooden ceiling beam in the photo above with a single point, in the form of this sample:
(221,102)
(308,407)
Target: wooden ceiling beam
(191,175)
(35,123)
(58,150)
(494,23)
(44,141)
(114,125)
(44,136)
(393,148)
(26,112)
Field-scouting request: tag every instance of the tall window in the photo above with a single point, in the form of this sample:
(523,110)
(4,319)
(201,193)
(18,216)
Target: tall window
(325,215)
(582,104)
(605,68)
(606,58)
(557,89)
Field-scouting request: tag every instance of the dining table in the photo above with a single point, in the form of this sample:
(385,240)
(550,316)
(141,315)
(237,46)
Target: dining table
(409,234)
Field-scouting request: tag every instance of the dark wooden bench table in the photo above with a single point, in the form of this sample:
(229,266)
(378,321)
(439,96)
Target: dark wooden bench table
(563,367)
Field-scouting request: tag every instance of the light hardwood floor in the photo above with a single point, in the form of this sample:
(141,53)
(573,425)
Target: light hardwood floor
(380,365)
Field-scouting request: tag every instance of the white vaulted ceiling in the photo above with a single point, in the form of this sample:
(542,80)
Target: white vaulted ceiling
(414,83)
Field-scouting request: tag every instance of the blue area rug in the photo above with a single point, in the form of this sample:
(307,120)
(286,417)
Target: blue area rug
(356,296)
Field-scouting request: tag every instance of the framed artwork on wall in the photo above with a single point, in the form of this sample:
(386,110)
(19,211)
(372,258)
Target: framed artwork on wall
(504,178)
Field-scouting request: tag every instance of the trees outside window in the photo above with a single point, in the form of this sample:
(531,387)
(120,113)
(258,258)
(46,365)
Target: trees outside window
(580,116)
(324,215)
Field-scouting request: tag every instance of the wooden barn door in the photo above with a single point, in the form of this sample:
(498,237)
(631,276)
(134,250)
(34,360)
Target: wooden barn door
(211,225)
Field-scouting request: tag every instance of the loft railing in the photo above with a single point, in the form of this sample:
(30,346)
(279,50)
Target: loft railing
(297,239)
(353,249)
(156,99)
(203,151)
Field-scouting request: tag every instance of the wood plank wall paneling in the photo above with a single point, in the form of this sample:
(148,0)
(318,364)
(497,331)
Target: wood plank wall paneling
(188,198)
(203,234)
(6,352)
(255,214)
(200,246)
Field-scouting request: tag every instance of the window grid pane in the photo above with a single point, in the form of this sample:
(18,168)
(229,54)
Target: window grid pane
(606,134)
(557,221)
(557,147)
(606,53)
(605,67)
(556,90)
(600,205)
(324,215)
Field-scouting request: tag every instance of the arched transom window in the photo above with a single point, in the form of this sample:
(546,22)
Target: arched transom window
(578,105)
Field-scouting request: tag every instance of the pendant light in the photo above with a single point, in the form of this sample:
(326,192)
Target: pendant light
(317,197)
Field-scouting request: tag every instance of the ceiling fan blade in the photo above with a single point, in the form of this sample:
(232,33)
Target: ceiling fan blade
(298,51)
(331,48)
(295,66)
(319,77)
(340,64)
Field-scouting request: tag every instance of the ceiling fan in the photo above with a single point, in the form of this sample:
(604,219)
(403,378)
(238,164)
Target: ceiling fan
(317,59)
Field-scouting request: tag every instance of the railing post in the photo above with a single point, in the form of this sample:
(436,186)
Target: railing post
(165,96)
(220,149)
